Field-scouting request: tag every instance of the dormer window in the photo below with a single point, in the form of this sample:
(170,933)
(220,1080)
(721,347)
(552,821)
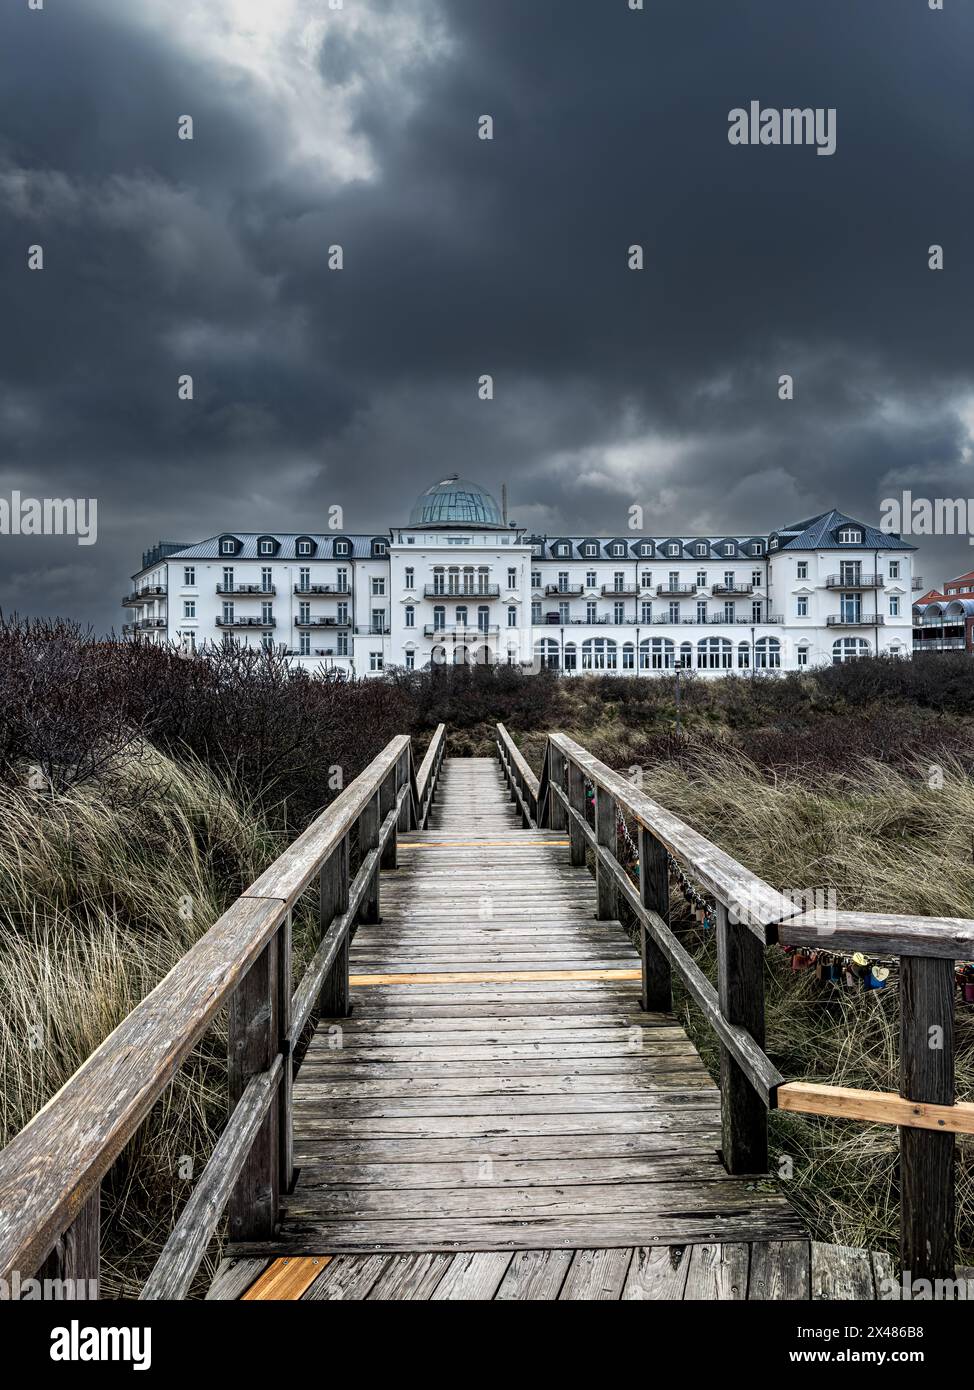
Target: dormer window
(590,549)
(305,546)
(701,548)
(773,543)
(343,548)
(227,548)
(729,548)
(380,548)
(618,549)
(561,550)
(756,548)
(646,548)
(672,550)
(850,535)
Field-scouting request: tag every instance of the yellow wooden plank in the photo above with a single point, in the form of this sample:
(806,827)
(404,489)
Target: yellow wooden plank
(286,1279)
(498,844)
(492,977)
(877,1107)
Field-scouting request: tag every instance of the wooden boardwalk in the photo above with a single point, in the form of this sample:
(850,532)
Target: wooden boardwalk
(497,1087)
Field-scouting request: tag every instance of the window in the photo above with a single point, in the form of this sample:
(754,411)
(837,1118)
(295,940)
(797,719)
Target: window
(618,612)
(410,577)
(376,662)
(756,548)
(672,550)
(343,548)
(227,614)
(802,569)
(701,610)
(228,578)
(564,612)
(646,579)
(802,657)
(378,620)
(410,660)
(714,654)
(189,608)
(304,644)
(267,612)
(730,611)
(267,580)
(512,616)
(767,653)
(535,579)
(894,606)
(563,580)
(266,547)
(645,547)
(702,578)
(562,550)
(729,548)
(894,569)
(341,646)
(756,578)
(536,612)
(304,612)
(341,615)
(546,654)
(617,549)
(849,649)
(512,578)
(591,579)
(227,548)
(743,657)
(589,549)
(646,611)
(439,618)
(700,548)
(656,654)
(729,581)
(483,619)
(410,615)
(304,547)
(304,579)
(674,612)
(599,654)
(571,657)
(342,581)
(773,543)
(189,575)
(629,657)
(378,587)
(801,606)
(591,612)
(461,615)
(756,611)
(267,642)
(686,655)
(618,580)
(380,548)
(850,535)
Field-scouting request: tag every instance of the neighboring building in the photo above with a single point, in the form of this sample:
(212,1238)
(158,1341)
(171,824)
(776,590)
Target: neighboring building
(460,583)
(943,620)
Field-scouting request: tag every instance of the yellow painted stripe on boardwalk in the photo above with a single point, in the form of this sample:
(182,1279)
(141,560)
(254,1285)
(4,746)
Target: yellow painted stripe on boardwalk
(286,1279)
(499,844)
(492,977)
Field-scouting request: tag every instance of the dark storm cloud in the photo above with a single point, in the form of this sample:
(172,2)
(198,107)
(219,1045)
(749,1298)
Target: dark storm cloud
(359,127)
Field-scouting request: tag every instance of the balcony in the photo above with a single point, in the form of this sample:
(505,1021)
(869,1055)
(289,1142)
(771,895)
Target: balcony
(265,623)
(917,584)
(323,589)
(320,622)
(372,630)
(731,590)
(144,595)
(460,632)
(563,590)
(860,581)
(245,590)
(451,595)
(144,625)
(622,591)
(863,620)
(675,590)
(947,644)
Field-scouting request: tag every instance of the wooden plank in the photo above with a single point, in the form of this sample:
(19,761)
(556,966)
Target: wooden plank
(500,977)
(657,1272)
(883,934)
(473,1276)
(254,1038)
(286,1279)
(411,1277)
(596,1276)
(740,988)
(927,1205)
(534,1275)
(347,1278)
(781,1271)
(690,1164)
(313,1150)
(718,1272)
(234,1277)
(174,1271)
(875,1107)
(840,1272)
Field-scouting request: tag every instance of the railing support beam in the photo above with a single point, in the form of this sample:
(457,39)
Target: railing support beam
(654,893)
(576,796)
(254,1042)
(77,1253)
(334,881)
(740,992)
(368,838)
(605,834)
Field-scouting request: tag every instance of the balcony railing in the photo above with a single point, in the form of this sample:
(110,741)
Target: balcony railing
(563,590)
(946,644)
(372,630)
(859,581)
(621,591)
(730,590)
(321,622)
(246,622)
(323,589)
(487,591)
(917,584)
(246,590)
(660,620)
(460,631)
(861,620)
(675,590)
(144,595)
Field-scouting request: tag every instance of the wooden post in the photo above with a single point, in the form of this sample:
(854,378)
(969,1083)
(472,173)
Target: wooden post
(388,790)
(605,834)
(576,795)
(77,1253)
(403,779)
(558,820)
(333,1001)
(654,893)
(740,990)
(285,1104)
(927,1157)
(254,1041)
(368,838)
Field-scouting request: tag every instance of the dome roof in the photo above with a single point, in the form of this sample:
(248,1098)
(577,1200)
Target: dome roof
(455,502)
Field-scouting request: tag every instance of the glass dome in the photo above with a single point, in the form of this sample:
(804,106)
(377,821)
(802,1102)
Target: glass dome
(455,502)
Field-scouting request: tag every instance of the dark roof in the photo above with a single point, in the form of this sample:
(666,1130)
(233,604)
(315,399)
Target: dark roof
(822,533)
(210,549)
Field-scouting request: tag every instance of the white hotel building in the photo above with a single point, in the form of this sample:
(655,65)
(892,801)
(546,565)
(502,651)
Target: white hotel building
(461,584)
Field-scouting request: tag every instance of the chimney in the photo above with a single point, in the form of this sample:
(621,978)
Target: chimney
(504,502)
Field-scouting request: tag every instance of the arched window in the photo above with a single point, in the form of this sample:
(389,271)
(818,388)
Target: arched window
(571,656)
(849,649)
(657,654)
(767,653)
(743,656)
(547,654)
(512,616)
(461,615)
(410,615)
(629,657)
(439,617)
(599,654)
(714,654)
(461,655)
(438,656)
(686,654)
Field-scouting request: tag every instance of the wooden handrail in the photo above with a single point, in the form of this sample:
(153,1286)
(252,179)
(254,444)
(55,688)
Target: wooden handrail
(750,914)
(50,1173)
(519,777)
(428,772)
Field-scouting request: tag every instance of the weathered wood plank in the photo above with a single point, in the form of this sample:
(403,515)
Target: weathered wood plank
(347,1278)
(781,1271)
(473,1276)
(534,1275)
(657,1272)
(718,1272)
(875,1107)
(286,1280)
(234,1277)
(596,1276)
(841,1272)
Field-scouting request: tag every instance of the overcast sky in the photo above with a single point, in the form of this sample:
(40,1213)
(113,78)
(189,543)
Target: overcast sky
(358,126)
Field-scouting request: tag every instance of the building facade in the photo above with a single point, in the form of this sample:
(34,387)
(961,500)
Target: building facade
(943,619)
(460,584)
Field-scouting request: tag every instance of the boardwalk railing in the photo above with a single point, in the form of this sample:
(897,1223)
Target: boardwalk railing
(520,778)
(51,1173)
(750,914)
